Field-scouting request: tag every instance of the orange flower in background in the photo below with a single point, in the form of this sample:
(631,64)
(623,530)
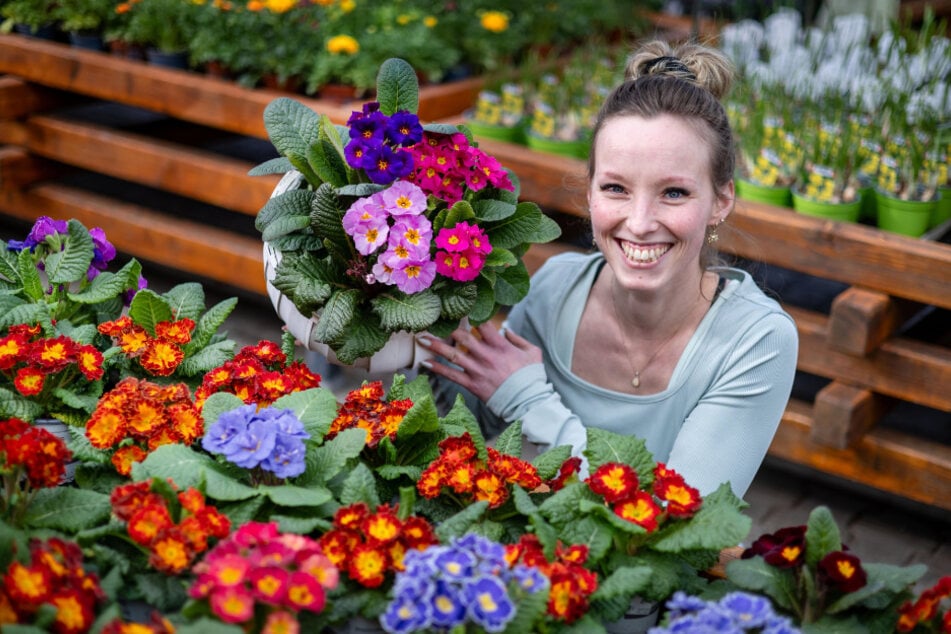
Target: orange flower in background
(143,414)
(494,21)
(571,583)
(640,509)
(613,481)
(31,458)
(682,499)
(343,45)
(366,408)
(926,609)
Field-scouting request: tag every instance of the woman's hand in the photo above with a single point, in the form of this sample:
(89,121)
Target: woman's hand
(485,356)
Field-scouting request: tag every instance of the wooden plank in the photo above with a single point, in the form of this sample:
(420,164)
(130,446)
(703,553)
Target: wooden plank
(18,168)
(884,459)
(187,246)
(201,175)
(847,252)
(183,94)
(860,320)
(903,368)
(19,98)
(843,413)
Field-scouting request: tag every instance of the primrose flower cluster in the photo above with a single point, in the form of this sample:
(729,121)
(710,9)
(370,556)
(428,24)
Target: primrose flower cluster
(173,532)
(54,576)
(31,458)
(366,408)
(261,573)
(466,581)
(669,496)
(735,613)
(367,546)
(137,416)
(47,236)
(271,439)
(393,223)
(158,355)
(257,374)
(924,613)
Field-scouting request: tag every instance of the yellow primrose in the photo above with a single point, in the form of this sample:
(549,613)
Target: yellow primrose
(343,45)
(495,21)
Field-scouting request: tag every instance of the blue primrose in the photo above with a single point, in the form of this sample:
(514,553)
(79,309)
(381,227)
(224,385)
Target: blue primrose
(447,606)
(383,165)
(406,613)
(529,578)
(219,437)
(288,458)
(404,129)
(455,564)
(747,610)
(489,604)
(253,445)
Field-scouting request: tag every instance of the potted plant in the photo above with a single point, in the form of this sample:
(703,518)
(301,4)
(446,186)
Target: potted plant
(412,228)
(29,17)
(163,27)
(85,20)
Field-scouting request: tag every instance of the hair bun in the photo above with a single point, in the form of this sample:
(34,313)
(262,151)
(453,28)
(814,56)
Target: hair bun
(702,65)
(668,65)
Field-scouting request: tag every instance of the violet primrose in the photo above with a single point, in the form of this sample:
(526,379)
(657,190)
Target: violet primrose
(270,438)
(735,613)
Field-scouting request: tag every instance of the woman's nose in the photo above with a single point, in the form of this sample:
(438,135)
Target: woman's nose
(639,216)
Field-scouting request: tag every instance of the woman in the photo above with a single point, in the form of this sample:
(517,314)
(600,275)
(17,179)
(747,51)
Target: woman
(646,337)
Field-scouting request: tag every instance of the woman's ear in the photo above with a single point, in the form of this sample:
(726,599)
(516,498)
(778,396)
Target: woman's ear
(726,199)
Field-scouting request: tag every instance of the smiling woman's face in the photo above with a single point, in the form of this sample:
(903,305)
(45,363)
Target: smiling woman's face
(651,198)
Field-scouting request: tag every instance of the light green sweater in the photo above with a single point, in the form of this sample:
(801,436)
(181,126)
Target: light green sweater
(718,415)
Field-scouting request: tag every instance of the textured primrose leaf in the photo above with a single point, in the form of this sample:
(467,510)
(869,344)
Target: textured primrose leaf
(515,229)
(338,312)
(549,463)
(290,204)
(30,276)
(605,446)
(462,416)
(547,231)
(397,87)
(822,536)
(330,459)
(208,324)
(26,314)
(325,160)
(398,311)
(316,408)
(279,165)
(363,339)
(501,257)
(756,575)
(337,136)
(15,405)
(108,285)
(207,359)
(186,300)
(217,404)
(326,218)
(510,440)
(360,486)
(461,522)
(457,300)
(717,525)
(421,418)
(67,509)
(613,597)
(148,309)
(360,190)
(305,279)
(492,209)
(188,468)
(445,128)
(530,609)
(290,495)
(511,285)
(71,263)
(292,127)
(8,267)
(298,526)
(284,226)
(593,534)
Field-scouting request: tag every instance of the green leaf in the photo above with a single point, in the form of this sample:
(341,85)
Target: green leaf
(316,408)
(30,276)
(547,231)
(331,458)
(186,300)
(299,525)
(463,416)
(422,417)
(615,592)
(207,625)
(279,165)
(290,495)
(359,486)
(442,128)
(188,468)
(209,358)
(549,463)
(13,404)
(292,127)
(510,440)
(593,534)
(397,87)
(457,300)
(492,210)
(512,285)
(305,280)
(293,203)
(360,190)
(564,506)
(605,446)
(108,285)
(285,225)
(363,338)
(501,257)
(67,509)
(756,575)
(208,324)
(327,163)
(242,511)
(515,229)
(822,536)
(26,314)
(148,309)
(461,522)
(71,263)
(217,404)
(399,311)
(717,525)
(336,315)
(531,609)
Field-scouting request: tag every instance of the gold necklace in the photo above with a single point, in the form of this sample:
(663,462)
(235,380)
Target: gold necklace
(636,381)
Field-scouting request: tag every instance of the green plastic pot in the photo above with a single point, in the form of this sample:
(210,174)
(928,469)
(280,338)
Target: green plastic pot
(843,212)
(512,134)
(869,209)
(942,210)
(574,149)
(907,217)
(776,196)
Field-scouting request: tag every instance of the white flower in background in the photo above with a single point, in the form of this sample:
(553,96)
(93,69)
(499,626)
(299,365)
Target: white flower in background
(782,29)
(867,93)
(742,42)
(850,30)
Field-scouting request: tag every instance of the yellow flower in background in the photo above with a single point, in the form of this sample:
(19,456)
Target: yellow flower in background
(403,19)
(495,21)
(343,45)
(347,5)
(430,21)
(323,3)
(280,6)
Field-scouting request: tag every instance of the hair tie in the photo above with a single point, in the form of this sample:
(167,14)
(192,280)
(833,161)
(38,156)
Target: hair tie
(669,64)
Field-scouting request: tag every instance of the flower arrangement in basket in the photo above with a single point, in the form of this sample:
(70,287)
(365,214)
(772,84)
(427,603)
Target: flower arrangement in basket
(389,225)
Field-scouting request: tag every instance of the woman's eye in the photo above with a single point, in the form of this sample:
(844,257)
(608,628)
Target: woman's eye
(675,193)
(613,188)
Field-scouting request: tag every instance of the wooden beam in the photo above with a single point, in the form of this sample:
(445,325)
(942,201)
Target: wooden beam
(211,178)
(861,320)
(183,94)
(19,98)
(843,413)
(884,459)
(19,168)
(192,247)
(903,368)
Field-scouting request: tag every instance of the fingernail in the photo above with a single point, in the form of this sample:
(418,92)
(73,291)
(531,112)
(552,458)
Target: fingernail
(424,341)
(427,364)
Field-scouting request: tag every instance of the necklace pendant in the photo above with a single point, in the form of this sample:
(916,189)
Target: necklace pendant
(636,381)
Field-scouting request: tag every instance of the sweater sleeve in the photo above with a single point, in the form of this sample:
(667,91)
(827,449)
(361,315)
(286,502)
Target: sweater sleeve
(725,437)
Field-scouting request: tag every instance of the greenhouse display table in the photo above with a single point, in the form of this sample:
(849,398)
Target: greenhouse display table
(858,345)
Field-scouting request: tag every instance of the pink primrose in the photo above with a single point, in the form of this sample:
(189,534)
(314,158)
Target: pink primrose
(415,276)
(402,198)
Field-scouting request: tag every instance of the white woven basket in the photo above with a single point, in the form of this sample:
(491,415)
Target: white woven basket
(400,352)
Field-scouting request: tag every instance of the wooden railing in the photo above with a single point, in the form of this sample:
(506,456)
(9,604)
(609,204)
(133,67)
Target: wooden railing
(856,345)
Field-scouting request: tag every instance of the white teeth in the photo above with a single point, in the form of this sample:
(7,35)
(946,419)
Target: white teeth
(643,255)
